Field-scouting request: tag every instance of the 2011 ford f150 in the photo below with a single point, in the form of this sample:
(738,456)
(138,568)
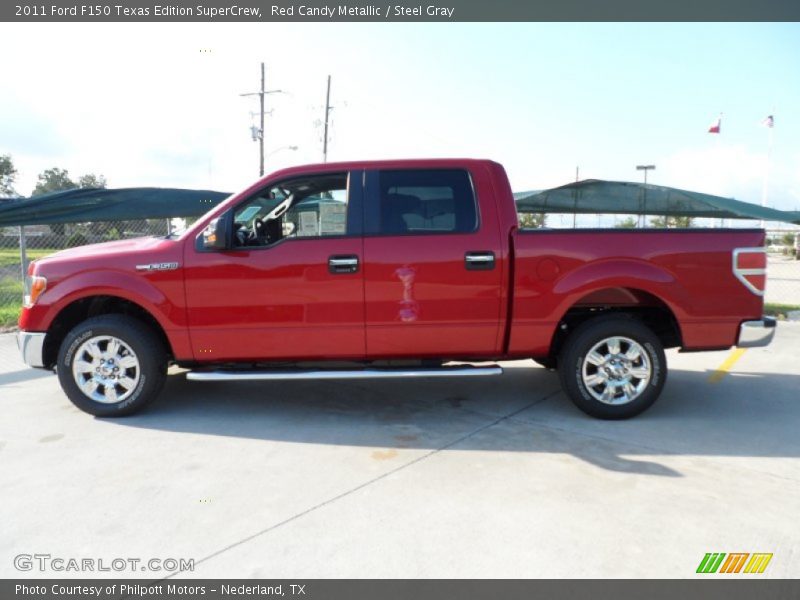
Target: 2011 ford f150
(389,269)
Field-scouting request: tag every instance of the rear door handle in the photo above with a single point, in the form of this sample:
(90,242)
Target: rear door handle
(479,261)
(340,264)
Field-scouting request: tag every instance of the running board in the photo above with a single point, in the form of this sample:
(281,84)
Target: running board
(288,375)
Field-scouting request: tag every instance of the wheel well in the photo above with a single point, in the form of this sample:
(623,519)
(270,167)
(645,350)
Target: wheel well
(85,308)
(646,307)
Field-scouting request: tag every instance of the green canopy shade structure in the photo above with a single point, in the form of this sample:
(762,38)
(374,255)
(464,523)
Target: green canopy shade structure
(594,196)
(591,196)
(94,204)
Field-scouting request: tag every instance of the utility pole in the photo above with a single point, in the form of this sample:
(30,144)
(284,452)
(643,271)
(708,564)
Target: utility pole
(645,168)
(261,127)
(260,133)
(327,114)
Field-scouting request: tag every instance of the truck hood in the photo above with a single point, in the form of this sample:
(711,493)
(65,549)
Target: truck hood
(122,254)
(105,250)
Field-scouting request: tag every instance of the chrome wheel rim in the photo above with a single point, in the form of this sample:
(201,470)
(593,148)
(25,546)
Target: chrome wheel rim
(106,369)
(616,370)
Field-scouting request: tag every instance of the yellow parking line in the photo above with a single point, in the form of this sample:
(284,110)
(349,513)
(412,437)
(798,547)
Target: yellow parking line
(734,356)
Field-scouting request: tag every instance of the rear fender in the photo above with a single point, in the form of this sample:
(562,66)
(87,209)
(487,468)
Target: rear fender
(621,273)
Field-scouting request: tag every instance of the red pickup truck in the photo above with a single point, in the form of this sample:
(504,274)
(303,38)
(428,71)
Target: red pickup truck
(412,268)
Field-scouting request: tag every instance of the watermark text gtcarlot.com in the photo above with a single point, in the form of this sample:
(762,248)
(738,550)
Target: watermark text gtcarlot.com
(60,564)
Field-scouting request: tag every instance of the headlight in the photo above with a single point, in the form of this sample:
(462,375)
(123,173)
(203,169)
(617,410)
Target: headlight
(36,286)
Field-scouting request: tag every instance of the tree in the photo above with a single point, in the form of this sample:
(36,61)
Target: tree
(672,222)
(56,180)
(532,220)
(627,223)
(90,180)
(53,180)
(8,174)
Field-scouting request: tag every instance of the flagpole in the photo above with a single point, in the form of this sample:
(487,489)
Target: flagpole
(765,187)
(718,152)
(716,128)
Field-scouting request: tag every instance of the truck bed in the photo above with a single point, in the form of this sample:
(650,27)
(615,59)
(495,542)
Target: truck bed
(687,271)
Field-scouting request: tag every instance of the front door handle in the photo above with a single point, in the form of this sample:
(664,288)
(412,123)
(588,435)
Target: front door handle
(340,264)
(479,261)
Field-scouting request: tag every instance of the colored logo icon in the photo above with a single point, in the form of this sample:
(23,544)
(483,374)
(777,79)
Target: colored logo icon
(735,562)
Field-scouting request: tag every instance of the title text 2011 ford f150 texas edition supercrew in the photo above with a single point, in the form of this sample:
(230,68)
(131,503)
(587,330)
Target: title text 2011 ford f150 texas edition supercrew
(389,269)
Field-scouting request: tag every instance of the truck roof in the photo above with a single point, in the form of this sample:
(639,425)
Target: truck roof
(404,163)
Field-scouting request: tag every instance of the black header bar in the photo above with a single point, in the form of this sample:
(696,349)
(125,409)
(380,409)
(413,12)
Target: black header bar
(392,11)
(714,587)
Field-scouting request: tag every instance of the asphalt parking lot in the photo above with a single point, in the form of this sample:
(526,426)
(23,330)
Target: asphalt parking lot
(476,477)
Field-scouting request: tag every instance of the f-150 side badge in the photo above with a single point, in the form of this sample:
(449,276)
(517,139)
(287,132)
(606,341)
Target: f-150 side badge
(167,266)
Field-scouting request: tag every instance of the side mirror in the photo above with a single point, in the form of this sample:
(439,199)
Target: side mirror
(216,236)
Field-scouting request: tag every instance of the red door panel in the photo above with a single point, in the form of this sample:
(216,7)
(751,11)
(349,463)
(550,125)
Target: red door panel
(280,302)
(422,300)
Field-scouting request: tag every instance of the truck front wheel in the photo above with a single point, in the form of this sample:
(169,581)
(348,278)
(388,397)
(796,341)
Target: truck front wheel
(613,367)
(111,365)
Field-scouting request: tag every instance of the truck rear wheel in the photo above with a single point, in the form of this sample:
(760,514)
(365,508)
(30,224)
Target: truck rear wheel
(613,367)
(111,365)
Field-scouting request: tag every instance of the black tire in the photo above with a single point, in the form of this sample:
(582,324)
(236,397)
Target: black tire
(584,339)
(147,351)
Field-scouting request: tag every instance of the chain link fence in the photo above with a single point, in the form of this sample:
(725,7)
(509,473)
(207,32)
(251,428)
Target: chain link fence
(20,245)
(783,268)
(35,241)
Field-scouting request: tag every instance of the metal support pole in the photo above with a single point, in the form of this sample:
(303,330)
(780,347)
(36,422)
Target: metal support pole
(23,259)
(644,218)
(642,215)
(575,198)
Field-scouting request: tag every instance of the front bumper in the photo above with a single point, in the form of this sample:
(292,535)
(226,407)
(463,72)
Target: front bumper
(31,346)
(753,334)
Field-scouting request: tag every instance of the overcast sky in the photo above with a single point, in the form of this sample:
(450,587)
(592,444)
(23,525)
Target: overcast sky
(159,105)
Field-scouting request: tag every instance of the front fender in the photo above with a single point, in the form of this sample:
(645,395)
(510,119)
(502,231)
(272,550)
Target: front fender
(145,290)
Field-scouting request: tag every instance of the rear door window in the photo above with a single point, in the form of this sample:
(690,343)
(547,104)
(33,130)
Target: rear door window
(422,201)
